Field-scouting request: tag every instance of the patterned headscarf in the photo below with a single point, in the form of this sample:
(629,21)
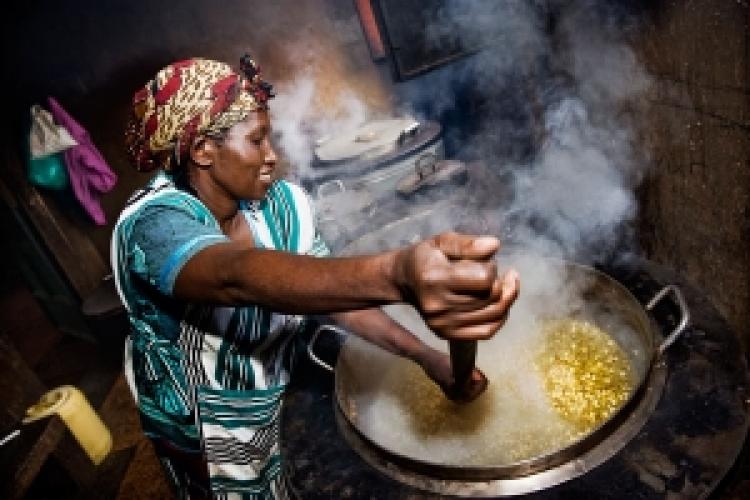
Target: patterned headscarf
(186,99)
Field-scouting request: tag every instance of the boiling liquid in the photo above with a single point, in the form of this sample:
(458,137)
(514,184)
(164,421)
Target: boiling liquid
(543,395)
(587,376)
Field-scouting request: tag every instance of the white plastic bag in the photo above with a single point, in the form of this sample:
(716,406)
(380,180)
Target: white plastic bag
(46,137)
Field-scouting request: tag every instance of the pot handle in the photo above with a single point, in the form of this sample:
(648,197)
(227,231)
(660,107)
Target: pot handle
(407,133)
(314,338)
(425,165)
(684,314)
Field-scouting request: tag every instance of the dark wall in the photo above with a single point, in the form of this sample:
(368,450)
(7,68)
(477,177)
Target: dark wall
(696,203)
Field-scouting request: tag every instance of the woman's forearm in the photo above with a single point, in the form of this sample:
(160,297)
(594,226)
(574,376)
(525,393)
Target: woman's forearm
(449,278)
(378,328)
(233,274)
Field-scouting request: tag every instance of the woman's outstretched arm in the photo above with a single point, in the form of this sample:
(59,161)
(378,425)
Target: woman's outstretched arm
(449,279)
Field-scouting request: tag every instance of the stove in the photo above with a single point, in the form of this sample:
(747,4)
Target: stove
(689,440)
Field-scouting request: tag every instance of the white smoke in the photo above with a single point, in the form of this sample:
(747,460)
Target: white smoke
(289,109)
(558,91)
(572,199)
(579,189)
(299,121)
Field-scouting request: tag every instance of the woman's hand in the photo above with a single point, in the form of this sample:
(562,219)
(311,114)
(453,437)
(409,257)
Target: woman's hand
(437,366)
(380,329)
(453,282)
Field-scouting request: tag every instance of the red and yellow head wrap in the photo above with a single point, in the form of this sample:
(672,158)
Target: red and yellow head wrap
(186,99)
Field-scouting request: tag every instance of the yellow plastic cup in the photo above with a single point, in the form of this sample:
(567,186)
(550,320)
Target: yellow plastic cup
(71,405)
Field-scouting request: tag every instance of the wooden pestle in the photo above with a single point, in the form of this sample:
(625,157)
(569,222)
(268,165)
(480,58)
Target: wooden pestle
(463,355)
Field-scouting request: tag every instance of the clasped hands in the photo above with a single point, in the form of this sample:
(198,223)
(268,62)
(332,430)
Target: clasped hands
(452,280)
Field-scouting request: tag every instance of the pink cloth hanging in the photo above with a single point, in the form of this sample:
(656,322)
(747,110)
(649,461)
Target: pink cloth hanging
(90,176)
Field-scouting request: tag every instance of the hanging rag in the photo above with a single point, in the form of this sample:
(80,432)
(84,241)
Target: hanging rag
(90,176)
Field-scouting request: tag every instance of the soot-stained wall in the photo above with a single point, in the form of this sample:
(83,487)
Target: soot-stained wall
(696,203)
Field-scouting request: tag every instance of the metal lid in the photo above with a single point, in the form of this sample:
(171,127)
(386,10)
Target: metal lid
(375,142)
(373,139)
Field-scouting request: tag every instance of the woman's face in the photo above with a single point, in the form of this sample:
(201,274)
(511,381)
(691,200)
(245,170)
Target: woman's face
(244,161)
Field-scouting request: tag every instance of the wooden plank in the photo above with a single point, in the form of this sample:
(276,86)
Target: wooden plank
(19,385)
(65,238)
(21,461)
(30,462)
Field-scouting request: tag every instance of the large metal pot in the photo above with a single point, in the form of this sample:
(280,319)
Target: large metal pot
(563,289)
(355,171)
(375,156)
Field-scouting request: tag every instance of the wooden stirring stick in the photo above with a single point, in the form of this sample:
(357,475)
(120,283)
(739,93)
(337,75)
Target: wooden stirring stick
(463,355)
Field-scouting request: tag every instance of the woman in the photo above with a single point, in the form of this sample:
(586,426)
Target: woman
(215,256)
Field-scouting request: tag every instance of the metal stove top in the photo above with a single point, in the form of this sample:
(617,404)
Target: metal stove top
(684,449)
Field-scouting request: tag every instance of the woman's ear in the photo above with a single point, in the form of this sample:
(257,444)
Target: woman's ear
(202,152)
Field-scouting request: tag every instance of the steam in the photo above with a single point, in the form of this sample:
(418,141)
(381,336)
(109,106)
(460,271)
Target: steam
(556,123)
(290,107)
(299,120)
(557,91)
(325,96)
(572,200)
(561,92)
(549,106)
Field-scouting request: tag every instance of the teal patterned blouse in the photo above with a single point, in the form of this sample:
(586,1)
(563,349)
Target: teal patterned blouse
(209,378)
